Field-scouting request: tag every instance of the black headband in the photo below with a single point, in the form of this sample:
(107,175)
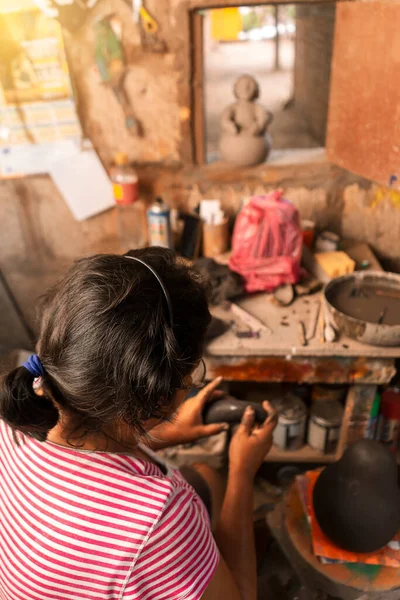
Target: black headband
(164,289)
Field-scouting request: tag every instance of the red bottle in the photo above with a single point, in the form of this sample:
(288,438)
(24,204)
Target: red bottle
(125,181)
(389,420)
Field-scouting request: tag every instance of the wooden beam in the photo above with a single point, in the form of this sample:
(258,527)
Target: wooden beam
(312,369)
(198,107)
(206,4)
(277,39)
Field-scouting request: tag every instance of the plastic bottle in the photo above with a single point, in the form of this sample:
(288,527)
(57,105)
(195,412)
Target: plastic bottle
(125,181)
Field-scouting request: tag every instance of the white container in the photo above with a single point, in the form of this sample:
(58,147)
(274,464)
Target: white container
(324,426)
(327,242)
(292,416)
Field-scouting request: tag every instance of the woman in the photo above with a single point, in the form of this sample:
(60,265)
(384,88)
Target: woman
(87,510)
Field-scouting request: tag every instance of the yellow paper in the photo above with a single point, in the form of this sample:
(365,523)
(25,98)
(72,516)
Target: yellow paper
(37,106)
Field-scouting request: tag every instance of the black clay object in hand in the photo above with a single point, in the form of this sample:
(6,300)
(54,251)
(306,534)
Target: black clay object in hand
(357,499)
(230,410)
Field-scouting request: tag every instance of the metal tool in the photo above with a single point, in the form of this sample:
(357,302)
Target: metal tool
(327,331)
(252,322)
(149,28)
(302,334)
(330,333)
(142,15)
(243,333)
(382,316)
(313,321)
(149,24)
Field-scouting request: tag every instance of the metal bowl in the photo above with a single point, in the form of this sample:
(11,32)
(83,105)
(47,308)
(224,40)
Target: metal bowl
(366,332)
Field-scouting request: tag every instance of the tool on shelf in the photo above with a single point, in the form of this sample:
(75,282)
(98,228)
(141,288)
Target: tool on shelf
(252,322)
(149,24)
(302,334)
(313,321)
(329,332)
(149,28)
(243,333)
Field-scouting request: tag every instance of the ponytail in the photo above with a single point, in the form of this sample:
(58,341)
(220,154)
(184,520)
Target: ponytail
(24,410)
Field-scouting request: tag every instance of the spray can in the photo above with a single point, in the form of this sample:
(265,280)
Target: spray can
(159,225)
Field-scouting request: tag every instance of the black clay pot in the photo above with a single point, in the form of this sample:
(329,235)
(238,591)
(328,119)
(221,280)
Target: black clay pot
(230,410)
(357,499)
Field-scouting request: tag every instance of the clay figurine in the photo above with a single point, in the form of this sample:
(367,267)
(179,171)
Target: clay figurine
(357,499)
(244,140)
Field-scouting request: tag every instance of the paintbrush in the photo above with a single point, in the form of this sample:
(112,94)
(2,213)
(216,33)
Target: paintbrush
(382,316)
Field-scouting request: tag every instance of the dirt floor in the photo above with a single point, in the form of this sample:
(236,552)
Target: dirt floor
(224,62)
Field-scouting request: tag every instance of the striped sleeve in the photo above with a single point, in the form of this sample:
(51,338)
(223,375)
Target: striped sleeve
(180,556)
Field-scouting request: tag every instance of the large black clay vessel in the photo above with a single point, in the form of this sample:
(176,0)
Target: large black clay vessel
(230,410)
(357,499)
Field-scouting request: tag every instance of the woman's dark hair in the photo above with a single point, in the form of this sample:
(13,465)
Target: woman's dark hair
(107,346)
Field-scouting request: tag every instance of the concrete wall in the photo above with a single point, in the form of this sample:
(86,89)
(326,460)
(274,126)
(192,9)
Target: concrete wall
(39,236)
(315,25)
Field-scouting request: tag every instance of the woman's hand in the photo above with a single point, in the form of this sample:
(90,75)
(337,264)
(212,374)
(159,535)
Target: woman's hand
(187,424)
(251,443)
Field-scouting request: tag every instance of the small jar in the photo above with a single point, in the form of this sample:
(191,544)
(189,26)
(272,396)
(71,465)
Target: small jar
(290,429)
(324,427)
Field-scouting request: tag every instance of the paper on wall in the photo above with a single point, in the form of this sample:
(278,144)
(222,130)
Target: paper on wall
(34,159)
(83,183)
(37,106)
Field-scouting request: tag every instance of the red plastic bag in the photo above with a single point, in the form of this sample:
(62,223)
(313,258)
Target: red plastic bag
(267,243)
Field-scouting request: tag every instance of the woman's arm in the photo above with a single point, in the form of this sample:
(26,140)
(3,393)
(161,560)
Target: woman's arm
(236,576)
(235,535)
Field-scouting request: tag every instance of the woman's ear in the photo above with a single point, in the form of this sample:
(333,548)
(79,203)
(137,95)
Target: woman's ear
(38,386)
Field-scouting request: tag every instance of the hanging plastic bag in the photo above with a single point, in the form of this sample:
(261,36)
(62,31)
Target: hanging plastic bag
(267,243)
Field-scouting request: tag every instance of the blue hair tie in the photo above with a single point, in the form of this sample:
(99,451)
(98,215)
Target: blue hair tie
(34,366)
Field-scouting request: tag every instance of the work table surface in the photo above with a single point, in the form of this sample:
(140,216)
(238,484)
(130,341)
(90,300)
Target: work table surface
(282,338)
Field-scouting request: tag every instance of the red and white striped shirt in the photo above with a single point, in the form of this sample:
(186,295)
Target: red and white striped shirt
(93,525)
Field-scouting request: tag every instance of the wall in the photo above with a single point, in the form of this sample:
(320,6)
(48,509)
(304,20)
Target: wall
(39,237)
(315,26)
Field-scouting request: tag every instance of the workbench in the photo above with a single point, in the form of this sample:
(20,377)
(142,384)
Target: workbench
(279,356)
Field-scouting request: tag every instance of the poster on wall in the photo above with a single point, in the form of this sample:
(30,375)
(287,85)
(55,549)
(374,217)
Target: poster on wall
(37,107)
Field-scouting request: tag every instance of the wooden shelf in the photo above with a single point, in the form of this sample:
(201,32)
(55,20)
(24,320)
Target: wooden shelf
(305,454)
